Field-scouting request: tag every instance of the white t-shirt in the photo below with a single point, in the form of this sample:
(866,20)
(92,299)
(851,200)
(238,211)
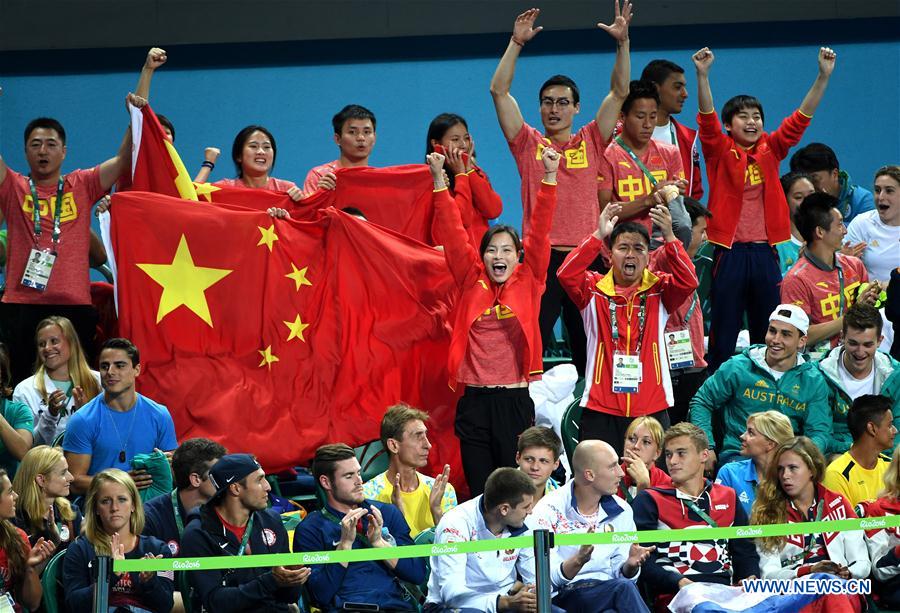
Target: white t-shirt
(882,253)
(665,134)
(856,387)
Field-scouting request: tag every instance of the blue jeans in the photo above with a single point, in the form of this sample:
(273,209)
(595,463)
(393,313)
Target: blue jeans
(593,596)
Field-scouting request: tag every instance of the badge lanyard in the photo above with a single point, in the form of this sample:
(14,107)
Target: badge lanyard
(246,537)
(57,213)
(690,311)
(703,515)
(808,548)
(636,160)
(178,522)
(613,307)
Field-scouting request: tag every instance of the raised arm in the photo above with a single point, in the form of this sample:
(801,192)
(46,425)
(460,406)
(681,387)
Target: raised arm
(608,113)
(156,57)
(813,97)
(115,167)
(703,61)
(507,108)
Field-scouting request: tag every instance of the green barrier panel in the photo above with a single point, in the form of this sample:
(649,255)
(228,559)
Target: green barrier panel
(518,542)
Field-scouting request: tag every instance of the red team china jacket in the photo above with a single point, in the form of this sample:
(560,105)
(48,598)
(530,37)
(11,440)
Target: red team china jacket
(593,293)
(521,293)
(726,168)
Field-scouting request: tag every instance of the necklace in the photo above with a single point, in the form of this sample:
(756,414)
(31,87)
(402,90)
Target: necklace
(124,443)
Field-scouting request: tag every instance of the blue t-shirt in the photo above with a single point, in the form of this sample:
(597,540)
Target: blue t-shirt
(740,476)
(102,433)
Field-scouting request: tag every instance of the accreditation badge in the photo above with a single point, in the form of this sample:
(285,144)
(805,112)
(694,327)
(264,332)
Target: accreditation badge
(37,270)
(679,349)
(626,373)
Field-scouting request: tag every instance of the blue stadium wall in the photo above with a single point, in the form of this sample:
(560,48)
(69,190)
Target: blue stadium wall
(212,91)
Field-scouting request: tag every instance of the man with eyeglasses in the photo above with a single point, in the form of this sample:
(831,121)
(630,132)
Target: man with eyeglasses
(766,377)
(165,516)
(577,210)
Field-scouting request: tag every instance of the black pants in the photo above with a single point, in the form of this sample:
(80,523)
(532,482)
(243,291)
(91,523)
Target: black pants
(488,424)
(611,428)
(554,299)
(744,278)
(17,330)
(684,386)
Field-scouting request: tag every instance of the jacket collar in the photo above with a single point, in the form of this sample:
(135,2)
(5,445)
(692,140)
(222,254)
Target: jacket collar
(481,525)
(609,504)
(607,284)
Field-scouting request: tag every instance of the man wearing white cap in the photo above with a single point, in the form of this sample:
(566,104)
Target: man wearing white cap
(771,376)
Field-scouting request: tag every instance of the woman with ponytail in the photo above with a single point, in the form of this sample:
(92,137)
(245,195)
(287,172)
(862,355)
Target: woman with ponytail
(62,382)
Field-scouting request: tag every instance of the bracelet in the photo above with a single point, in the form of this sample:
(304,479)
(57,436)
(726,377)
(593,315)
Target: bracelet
(513,39)
(208,164)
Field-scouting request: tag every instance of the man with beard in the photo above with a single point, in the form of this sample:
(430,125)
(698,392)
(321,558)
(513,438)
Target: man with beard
(348,521)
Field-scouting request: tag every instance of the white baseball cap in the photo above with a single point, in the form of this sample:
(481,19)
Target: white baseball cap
(791,314)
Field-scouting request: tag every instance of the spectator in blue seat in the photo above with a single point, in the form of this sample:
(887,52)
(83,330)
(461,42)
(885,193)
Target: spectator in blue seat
(114,518)
(348,521)
(167,514)
(765,431)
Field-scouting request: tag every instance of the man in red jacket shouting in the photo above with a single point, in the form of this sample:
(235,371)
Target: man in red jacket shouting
(624,314)
(750,212)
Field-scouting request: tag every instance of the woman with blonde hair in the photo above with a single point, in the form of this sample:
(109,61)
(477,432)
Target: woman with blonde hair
(43,510)
(20,563)
(884,544)
(765,432)
(792,492)
(113,521)
(643,445)
(62,380)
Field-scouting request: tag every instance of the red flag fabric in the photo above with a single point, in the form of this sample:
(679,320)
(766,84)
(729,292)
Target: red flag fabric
(258,199)
(396,197)
(276,336)
(156,166)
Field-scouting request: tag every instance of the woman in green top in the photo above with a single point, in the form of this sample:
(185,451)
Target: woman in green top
(16,421)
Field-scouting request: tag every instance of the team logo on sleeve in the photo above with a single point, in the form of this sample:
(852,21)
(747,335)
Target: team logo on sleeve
(64,533)
(173,547)
(268,537)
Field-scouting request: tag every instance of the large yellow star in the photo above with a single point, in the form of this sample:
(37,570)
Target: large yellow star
(267,357)
(299,276)
(206,190)
(296,327)
(268,237)
(184,283)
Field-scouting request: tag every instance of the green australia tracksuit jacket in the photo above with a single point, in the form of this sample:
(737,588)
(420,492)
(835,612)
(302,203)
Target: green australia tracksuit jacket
(886,383)
(743,386)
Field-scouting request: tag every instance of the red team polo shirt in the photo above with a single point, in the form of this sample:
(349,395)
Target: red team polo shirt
(577,208)
(816,289)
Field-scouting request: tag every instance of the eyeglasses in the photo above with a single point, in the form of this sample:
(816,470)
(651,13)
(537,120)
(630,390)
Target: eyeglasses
(562,103)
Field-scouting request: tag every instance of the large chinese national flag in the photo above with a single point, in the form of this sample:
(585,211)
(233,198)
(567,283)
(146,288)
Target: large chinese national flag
(277,336)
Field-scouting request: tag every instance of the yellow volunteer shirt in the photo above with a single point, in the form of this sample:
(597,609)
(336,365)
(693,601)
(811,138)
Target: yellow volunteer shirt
(846,477)
(416,509)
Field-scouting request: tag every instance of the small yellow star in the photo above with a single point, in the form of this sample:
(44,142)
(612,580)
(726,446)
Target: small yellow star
(299,276)
(268,236)
(206,190)
(267,357)
(296,327)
